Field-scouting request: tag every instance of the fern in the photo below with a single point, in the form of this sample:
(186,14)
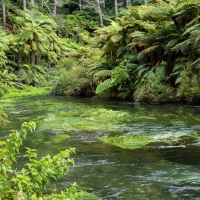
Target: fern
(103,86)
(145,51)
(103,74)
(171,43)
(124,94)
(191,28)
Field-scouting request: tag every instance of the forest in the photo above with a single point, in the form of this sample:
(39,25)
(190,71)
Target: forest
(138,50)
(147,52)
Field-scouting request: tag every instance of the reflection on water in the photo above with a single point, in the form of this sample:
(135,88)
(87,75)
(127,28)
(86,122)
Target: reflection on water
(156,171)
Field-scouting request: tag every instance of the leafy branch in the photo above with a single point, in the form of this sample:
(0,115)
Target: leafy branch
(31,181)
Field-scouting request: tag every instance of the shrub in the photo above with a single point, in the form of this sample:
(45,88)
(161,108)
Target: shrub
(190,82)
(154,88)
(30,182)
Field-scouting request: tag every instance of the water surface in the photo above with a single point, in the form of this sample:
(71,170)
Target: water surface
(156,171)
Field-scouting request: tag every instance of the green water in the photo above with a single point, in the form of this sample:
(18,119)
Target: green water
(168,167)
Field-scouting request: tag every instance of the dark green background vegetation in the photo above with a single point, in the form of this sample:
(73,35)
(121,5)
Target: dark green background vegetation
(145,52)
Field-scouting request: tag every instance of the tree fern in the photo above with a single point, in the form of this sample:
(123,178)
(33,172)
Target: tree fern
(103,74)
(146,51)
(103,86)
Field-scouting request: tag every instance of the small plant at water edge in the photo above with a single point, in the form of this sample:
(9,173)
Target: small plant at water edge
(31,181)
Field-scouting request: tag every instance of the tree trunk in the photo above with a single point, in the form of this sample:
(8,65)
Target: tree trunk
(24,4)
(3,14)
(103,2)
(19,61)
(32,58)
(80,5)
(44,3)
(116,8)
(33,3)
(145,2)
(55,7)
(128,3)
(100,13)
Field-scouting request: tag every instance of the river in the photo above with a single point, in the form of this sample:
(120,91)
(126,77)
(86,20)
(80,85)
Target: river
(159,170)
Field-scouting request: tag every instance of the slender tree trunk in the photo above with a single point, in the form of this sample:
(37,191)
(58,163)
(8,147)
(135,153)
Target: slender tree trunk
(80,5)
(32,52)
(3,14)
(104,4)
(24,4)
(32,58)
(116,8)
(128,3)
(44,3)
(145,2)
(33,3)
(19,61)
(100,13)
(55,7)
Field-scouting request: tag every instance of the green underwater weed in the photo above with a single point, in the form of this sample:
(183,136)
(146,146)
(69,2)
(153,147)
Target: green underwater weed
(128,141)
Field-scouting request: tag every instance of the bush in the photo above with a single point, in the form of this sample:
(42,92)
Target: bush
(30,182)
(3,117)
(154,88)
(190,82)
(73,82)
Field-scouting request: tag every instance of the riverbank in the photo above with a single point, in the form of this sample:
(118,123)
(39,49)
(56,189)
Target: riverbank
(26,90)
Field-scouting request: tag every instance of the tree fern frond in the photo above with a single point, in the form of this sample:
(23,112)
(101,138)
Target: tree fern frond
(178,80)
(145,51)
(194,21)
(191,28)
(115,38)
(39,69)
(103,86)
(171,43)
(196,61)
(103,73)
(141,70)
(138,34)
(124,94)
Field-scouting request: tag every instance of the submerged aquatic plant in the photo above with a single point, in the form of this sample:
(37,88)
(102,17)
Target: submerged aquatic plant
(128,141)
(196,136)
(140,141)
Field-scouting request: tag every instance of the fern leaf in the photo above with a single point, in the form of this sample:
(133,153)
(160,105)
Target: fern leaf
(103,73)
(192,28)
(115,38)
(196,61)
(171,43)
(147,50)
(103,86)
(178,80)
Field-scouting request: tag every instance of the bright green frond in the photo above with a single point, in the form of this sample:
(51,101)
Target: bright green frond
(103,86)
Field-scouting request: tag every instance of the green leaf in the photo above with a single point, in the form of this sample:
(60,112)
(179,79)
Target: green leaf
(103,86)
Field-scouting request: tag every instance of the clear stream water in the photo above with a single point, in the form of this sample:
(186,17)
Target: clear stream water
(158,171)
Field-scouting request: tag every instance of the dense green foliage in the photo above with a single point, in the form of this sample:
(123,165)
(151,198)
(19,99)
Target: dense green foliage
(32,179)
(144,55)
(147,53)
(3,117)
